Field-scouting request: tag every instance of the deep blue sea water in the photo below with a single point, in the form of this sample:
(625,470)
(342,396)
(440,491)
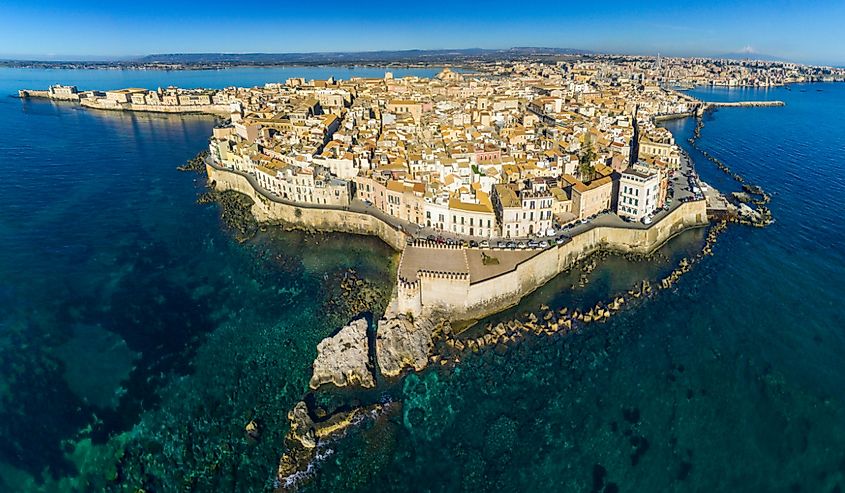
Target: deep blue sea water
(137,338)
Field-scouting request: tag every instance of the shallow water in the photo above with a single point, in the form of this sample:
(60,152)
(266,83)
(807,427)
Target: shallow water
(137,338)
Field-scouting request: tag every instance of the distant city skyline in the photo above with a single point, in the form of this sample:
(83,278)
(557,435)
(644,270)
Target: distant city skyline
(806,32)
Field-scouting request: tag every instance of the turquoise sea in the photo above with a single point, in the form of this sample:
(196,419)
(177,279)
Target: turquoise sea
(137,337)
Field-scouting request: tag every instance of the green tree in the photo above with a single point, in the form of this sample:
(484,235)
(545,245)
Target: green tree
(585,162)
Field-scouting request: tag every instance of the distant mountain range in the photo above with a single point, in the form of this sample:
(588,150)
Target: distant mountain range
(404,56)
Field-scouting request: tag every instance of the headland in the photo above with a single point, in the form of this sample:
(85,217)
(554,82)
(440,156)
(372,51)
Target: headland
(489,186)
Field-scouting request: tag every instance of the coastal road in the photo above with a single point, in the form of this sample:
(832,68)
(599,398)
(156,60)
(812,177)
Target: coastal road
(681,184)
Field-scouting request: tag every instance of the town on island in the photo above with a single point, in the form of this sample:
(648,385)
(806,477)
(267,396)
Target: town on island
(489,181)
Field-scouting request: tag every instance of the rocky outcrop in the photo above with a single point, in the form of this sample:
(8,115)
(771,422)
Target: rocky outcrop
(302,426)
(343,360)
(403,343)
(235,211)
(196,164)
(302,443)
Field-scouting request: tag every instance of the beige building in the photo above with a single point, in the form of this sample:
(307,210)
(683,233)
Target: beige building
(307,186)
(403,107)
(522,213)
(590,198)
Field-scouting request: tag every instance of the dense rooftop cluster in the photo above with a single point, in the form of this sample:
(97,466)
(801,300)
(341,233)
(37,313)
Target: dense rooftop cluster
(511,152)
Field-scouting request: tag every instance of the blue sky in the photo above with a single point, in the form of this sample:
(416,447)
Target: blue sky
(805,31)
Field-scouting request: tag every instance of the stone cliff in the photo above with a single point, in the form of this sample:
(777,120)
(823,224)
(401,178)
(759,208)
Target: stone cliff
(402,343)
(343,360)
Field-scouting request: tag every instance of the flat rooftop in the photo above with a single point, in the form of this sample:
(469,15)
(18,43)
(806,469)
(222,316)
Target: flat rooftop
(460,261)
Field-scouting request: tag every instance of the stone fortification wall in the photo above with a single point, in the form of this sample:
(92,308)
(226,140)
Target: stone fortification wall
(268,209)
(459,298)
(213,109)
(33,93)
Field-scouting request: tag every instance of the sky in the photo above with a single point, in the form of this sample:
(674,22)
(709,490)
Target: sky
(805,31)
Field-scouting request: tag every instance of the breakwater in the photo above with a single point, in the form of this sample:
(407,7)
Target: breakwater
(758,216)
(450,347)
(745,104)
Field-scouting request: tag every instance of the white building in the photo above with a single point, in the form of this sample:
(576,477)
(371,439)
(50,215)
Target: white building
(639,191)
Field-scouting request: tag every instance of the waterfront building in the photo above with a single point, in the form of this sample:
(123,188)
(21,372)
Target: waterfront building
(522,213)
(639,192)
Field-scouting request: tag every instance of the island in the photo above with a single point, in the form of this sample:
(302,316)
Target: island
(487,185)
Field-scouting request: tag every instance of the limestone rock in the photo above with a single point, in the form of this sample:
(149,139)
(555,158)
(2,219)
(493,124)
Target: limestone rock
(402,343)
(302,426)
(344,359)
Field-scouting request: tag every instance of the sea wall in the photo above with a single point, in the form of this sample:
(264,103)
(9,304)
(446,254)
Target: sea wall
(213,109)
(270,209)
(673,116)
(33,93)
(460,299)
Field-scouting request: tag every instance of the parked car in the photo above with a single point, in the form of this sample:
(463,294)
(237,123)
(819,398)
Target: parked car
(544,244)
(431,238)
(533,244)
(485,244)
(473,244)
(647,220)
(561,239)
(521,245)
(511,245)
(551,232)
(501,244)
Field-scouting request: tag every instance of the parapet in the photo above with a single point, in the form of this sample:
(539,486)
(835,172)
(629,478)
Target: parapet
(452,276)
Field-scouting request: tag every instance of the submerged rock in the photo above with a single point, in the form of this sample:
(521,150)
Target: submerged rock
(403,343)
(343,359)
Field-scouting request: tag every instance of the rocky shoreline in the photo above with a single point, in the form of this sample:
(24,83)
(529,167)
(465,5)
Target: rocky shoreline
(235,212)
(407,345)
(196,164)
